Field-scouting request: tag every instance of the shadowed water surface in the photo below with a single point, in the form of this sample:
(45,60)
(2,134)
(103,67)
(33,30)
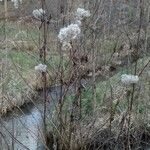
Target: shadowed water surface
(26,125)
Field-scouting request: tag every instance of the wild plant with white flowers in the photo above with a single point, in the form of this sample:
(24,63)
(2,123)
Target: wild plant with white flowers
(41,68)
(81,13)
(39,13)
(16,3)
(69,33)
(128,79)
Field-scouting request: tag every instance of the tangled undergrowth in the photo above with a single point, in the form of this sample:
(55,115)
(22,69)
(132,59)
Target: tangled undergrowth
(102,72)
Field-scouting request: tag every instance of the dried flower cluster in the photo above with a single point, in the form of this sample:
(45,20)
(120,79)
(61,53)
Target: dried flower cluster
(72,31)
(81,13)
(129,79)
(38,13)
(16,3)
(69,33)
(41,68)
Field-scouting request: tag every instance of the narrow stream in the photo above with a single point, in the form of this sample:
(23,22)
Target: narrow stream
(26,130)
(26,125)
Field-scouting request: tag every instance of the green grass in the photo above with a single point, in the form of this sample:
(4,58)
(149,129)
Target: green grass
(11,29)
(19,65)
(24,60)
(103,89)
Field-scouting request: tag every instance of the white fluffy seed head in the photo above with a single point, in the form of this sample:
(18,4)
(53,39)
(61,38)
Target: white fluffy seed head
(41,68)
(16,3)
(38,13)
(129,79)
(81,13)
(69,33)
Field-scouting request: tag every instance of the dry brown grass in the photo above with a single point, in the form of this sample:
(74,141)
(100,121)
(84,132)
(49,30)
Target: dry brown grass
(9,103)
(23,45)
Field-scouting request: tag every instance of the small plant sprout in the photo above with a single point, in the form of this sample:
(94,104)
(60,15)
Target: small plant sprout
(16,3)
(41,68)
(38,13)
(81,13)
(69,33)
(129,79)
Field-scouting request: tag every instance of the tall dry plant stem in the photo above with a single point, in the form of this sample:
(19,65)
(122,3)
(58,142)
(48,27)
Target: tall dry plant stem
(146,29)
(44,26)
(93,70)
(130,106)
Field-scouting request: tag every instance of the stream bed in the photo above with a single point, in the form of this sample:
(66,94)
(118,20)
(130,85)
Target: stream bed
(25,125)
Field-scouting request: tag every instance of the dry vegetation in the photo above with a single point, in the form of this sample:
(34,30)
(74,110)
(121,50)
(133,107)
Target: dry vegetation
(94,111)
